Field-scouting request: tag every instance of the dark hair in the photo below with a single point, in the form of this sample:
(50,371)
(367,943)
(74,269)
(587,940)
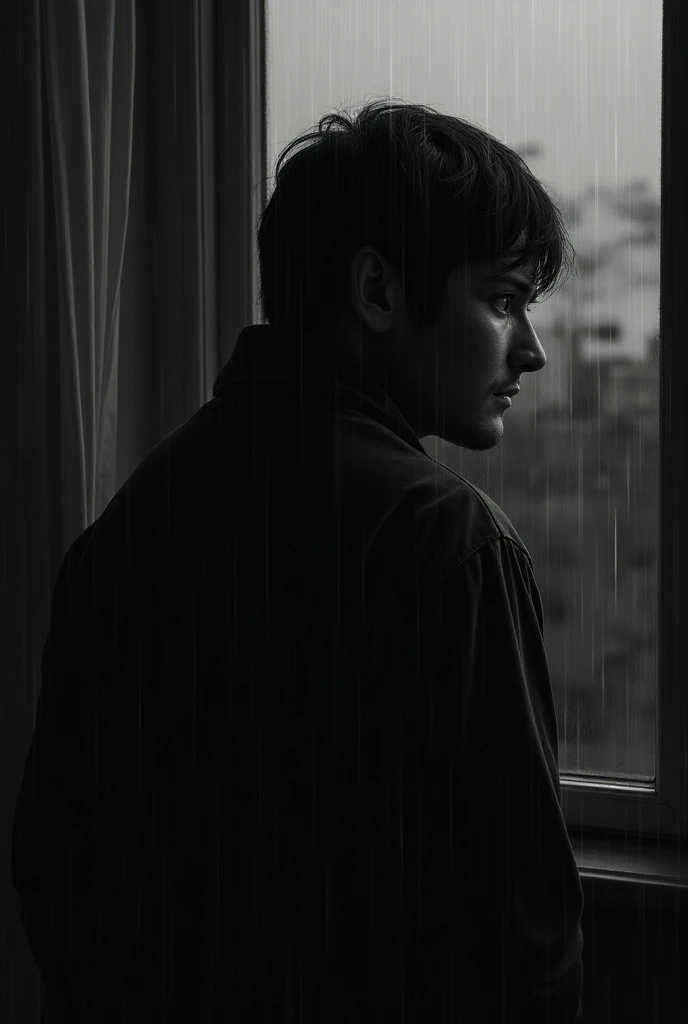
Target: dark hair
(427,190)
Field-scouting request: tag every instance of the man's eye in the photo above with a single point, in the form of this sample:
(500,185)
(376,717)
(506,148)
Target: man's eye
(512,295)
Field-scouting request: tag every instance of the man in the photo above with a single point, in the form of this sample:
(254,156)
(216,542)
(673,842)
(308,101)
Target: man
(296,752)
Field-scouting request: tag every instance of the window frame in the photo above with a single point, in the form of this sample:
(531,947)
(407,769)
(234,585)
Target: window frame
(659,810)
(630,839)
(241,47)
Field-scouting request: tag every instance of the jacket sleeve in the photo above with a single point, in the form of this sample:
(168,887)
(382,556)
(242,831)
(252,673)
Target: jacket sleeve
(77,841)
(516,890)
(49,816)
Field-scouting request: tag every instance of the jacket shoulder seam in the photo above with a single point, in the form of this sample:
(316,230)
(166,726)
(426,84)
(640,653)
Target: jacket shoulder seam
(457,563)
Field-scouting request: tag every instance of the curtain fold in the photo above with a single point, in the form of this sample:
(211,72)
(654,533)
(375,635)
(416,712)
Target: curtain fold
(90,69)
(183,103)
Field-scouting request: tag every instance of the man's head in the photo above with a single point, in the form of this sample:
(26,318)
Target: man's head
(385,235)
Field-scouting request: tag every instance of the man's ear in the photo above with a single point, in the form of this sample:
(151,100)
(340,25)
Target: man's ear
(376,296)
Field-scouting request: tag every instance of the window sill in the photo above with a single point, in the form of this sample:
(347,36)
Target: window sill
(628,871)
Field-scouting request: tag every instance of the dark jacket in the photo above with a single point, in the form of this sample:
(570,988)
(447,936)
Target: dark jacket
(296,754)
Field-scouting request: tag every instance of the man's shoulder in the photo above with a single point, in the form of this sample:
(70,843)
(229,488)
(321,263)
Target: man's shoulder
(488,514)
(469,516)
(436,521)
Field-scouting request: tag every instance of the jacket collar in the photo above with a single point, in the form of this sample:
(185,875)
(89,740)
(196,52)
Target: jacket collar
(264,352)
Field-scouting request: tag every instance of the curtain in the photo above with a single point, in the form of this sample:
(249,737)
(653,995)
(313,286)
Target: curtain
(110,303)
(90,69)
(90,65)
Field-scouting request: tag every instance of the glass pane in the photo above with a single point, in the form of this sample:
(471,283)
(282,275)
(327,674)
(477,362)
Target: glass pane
(575,88)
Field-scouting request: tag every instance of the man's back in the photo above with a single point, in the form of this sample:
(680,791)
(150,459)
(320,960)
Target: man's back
(296,734)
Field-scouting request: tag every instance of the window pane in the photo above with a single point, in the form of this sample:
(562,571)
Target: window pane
(575,88)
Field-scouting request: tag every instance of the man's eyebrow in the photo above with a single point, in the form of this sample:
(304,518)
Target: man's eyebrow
(521,286)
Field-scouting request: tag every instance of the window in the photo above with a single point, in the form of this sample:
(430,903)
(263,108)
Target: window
(605,331)
(588,94)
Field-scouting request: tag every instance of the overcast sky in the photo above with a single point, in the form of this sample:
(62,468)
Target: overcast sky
(580,77)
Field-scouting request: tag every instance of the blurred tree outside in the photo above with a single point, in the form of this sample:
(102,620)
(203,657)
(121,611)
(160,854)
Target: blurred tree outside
(583,490)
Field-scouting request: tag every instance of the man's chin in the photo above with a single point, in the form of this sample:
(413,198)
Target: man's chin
(476,438)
